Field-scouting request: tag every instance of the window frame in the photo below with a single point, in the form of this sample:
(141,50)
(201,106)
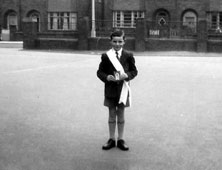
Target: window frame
(214,20)
(126,19)
(62,21)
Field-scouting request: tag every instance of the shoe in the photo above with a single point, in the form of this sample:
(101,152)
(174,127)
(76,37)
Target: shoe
(110,144)
(122,145)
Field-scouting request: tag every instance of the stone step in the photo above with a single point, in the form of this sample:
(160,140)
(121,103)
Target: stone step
(11,44)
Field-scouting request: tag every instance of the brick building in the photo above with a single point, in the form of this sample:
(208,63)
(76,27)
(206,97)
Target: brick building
(61,18)
(45,12)
(63,14)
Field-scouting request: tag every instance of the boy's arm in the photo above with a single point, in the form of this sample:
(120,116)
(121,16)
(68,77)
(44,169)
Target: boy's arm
(132,72)
(101,73)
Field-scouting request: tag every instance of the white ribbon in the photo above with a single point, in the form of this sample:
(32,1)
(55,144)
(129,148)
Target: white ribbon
(126,88)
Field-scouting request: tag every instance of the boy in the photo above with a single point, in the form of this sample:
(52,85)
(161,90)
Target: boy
(116,69)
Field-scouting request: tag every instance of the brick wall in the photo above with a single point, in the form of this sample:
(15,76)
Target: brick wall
(26,6)
(0,14)
(176,7)
(40,6)
(104,44)
(126,5)
(83,9)
(171,45)
(151,6)
(215,5)
(200,6)
(5,6)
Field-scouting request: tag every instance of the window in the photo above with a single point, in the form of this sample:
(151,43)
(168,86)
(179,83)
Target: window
(215,20)
(62,21)
(126,19)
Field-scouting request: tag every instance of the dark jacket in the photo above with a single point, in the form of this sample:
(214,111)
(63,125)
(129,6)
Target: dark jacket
(113,89)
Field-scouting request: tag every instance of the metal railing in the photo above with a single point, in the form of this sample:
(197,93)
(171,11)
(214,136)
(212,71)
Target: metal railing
(171,30)
(214,28)
(168,30)
(105,27)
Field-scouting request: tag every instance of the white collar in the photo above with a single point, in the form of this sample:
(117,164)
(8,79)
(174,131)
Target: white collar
(119,52)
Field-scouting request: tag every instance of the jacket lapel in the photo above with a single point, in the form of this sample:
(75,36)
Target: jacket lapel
(123,57)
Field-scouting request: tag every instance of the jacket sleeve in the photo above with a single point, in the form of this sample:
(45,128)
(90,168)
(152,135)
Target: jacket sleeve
(132,71)
(101,72)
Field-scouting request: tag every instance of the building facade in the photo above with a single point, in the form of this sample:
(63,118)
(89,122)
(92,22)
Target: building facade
(50,14)
(63,15)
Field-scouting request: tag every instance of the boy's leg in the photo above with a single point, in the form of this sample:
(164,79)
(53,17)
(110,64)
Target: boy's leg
(112,122)
(120,121)
(112,126)
(120,124)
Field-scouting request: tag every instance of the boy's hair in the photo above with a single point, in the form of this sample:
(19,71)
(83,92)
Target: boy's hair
(117,33)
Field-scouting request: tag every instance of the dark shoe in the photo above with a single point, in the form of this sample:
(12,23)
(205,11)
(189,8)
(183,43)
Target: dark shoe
(122,145)
(110,144)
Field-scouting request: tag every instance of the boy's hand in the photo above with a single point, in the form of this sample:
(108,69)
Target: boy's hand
(110,78)
(123,76)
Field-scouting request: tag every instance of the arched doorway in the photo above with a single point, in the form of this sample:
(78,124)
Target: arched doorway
(10,18)
(162,17)
(189,20)
(162,20)
(35,16)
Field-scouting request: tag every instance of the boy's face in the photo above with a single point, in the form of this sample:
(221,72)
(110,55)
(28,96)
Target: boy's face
(117,43)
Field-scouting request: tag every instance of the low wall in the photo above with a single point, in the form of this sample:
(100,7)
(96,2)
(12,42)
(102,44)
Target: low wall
(151,44)
(58,34)
(214,46)
(171,45)
(18,36)
(50,43)
(103,43)
(214,43)
(81,40)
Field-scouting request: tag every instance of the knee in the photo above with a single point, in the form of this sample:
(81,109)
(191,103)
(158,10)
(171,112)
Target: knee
(112,119)
(112,115)
(121,120)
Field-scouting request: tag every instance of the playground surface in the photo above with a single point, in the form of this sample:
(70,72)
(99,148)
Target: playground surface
(53,118)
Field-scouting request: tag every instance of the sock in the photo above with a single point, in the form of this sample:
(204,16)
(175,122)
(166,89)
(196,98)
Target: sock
(112,128)
(120,126)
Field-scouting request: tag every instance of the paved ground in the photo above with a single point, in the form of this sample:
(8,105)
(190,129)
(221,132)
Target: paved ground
(52,116)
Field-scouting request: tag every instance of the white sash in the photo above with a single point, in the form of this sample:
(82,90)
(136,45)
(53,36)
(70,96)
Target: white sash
(126,88)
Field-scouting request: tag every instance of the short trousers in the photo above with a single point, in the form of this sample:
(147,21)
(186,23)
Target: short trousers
(114,102)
